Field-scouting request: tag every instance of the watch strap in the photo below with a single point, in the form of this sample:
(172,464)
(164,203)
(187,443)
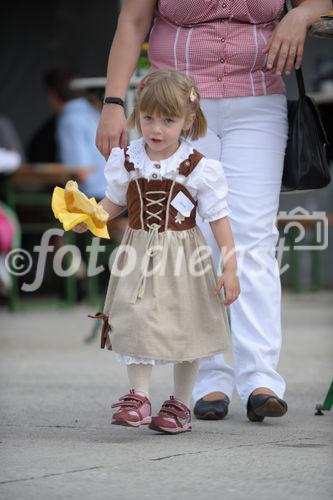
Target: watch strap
(113,100)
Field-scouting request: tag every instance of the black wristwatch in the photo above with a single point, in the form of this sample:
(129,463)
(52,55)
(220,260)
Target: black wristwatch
(114,100)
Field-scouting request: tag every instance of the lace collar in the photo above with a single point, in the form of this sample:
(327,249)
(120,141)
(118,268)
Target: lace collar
(138,156)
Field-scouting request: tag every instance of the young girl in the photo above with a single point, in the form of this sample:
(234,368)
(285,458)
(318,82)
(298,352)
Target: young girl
(163,302)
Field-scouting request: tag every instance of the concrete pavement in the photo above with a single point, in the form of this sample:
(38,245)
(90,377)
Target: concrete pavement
(57,442)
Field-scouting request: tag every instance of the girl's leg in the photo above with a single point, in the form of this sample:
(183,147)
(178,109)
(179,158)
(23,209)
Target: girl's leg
(139,377)
(184,378)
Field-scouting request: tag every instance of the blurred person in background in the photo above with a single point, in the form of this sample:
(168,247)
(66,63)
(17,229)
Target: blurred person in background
(68,137)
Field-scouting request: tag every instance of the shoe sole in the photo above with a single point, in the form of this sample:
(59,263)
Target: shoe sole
(271,408)
(210,415)
(128,423)
(166,430)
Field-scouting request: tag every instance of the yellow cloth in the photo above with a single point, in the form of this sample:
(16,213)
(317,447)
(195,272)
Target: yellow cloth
(70,219)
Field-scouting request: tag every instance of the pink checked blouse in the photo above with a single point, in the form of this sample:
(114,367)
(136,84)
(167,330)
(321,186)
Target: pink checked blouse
(218,43)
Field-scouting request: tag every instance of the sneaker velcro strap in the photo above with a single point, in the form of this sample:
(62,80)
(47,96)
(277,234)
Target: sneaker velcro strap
(133,396)
(175,409)
(127,404)
(130,400)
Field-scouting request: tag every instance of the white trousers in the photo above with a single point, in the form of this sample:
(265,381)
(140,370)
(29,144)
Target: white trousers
(248,135)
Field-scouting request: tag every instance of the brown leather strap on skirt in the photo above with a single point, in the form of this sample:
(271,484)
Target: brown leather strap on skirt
(106,328)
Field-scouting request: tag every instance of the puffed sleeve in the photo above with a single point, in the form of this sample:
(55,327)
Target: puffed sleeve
(117,177)
(212,189)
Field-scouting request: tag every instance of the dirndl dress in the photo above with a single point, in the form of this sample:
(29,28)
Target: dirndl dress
(161,302)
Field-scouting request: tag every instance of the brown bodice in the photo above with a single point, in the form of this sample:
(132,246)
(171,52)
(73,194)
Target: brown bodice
(149,200)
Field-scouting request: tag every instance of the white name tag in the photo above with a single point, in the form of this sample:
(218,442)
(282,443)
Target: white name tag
(183,204)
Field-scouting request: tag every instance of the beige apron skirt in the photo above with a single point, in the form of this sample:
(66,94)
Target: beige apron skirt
(161,299)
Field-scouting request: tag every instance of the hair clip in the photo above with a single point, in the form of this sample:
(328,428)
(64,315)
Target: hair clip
(142,84)
(193,95)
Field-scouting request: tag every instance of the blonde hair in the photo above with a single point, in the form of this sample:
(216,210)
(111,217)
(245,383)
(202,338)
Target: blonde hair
(168,92)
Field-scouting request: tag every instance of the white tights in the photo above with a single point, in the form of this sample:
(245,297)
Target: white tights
(184,375)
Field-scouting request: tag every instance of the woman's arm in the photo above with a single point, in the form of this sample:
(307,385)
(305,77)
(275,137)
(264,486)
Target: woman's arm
(286,45)
(134,23)
(313,8)
(229,280)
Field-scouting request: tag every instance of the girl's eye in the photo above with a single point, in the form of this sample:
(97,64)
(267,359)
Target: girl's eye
(169,120)
(147,118)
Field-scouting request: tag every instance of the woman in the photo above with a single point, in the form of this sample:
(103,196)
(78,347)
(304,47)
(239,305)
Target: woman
(236,52)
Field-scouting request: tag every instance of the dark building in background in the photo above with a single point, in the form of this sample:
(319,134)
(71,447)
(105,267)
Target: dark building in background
(36,36)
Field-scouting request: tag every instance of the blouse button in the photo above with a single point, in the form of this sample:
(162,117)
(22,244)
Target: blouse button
(157,165)
(222,60)
(219,79)
(187,163)
(222,40)
(224,5)
(154,176)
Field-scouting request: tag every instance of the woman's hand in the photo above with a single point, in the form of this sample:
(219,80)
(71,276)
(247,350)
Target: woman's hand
(80,228)
(286,45)
(229,281)
(111,131)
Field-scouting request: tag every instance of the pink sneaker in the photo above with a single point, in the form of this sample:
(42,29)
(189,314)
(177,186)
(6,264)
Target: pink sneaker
(134,410)
(173,418)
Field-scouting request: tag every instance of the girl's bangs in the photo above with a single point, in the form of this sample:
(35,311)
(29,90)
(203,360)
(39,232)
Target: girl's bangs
(162,101)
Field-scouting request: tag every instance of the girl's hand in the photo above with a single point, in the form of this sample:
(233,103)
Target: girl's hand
(80,228)
(229,281)
(286,45)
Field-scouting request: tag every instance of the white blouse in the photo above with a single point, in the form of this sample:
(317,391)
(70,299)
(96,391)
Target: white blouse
(206,183)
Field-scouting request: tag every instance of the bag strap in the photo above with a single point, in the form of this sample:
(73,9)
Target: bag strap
(300,82)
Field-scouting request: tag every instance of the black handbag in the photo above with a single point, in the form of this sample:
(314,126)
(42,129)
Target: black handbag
(305,165)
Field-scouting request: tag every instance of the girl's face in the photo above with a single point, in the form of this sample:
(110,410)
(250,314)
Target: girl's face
(162,133)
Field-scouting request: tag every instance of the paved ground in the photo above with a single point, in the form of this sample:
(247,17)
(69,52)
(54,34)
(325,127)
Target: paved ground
(56,441)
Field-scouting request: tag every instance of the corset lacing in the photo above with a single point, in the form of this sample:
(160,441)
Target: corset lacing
(152,239)
(156,215)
